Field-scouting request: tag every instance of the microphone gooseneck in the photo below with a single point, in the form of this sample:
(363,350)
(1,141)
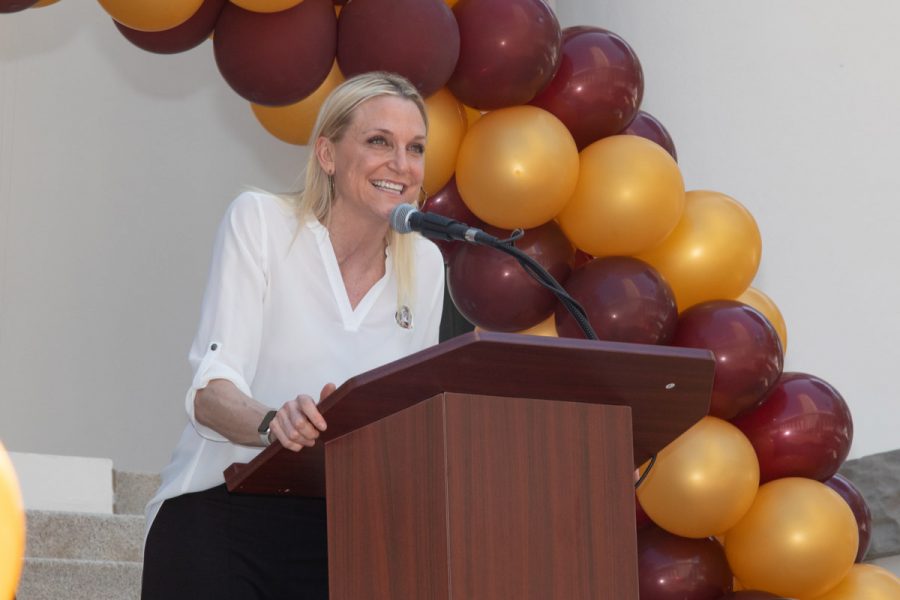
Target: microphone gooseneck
(406,218)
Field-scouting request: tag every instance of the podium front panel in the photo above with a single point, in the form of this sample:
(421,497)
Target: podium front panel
(468,497)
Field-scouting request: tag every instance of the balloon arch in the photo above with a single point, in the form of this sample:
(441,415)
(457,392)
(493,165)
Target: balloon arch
(537,127)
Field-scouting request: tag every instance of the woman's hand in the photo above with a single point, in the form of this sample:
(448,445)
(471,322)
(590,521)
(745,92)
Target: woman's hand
(298,422)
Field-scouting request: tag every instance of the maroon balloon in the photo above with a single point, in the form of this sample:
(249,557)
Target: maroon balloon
(751,595)
(11,6)
(276,58)
(676,568)
(581,258)
(626,300)
(494,292)
(599,85)
(748,352)
(418,39)
(189,34)
(647,126)
(802,428)
(509,50)
(853,497)
(448,203)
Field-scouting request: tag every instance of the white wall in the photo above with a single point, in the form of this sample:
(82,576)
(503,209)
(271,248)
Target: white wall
(115,165)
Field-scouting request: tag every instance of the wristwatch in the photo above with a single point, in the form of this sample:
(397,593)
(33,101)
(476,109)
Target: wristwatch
(263,429)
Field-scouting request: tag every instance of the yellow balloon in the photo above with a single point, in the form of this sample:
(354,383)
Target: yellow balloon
(451,3)
(266,6)
(151,15)
(865,582)
(769,309)
(630,196)
(703,482)
(12,527)
(517,167)
(546,328)
(712,254)
(798,540)
(446,128)
(44,3)
(294,123)
(472,114)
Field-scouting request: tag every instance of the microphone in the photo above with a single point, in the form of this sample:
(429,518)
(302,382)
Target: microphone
(406,218)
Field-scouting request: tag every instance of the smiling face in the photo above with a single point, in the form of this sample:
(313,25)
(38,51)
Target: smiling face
(379,161)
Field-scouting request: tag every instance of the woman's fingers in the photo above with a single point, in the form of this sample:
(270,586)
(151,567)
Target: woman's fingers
(298,423)
(311,412)
(281,435)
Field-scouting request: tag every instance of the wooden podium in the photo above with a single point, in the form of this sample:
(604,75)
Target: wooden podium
(493,466)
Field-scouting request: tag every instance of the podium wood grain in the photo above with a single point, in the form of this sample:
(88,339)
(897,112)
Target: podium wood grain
(468,497)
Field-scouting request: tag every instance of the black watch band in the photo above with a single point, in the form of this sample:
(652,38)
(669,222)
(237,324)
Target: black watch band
(263,429)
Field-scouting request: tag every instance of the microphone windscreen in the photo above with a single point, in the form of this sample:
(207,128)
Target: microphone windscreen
(400,217)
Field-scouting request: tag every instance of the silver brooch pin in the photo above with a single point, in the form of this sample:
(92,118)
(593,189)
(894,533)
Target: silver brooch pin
(404,317)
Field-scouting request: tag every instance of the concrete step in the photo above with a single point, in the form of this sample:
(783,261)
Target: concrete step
(132,491)
(65,579)
(84,536)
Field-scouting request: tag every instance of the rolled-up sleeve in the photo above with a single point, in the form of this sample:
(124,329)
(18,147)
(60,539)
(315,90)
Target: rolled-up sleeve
(228,338)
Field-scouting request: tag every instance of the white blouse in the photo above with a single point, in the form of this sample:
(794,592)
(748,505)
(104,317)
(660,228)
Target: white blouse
(276,321)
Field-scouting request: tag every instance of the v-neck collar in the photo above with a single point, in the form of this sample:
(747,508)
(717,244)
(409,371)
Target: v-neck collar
(351,317)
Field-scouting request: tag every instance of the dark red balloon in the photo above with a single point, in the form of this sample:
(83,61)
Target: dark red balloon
(599,85)
(494,292)
(189,34)
(509,50)
(802,428)
(851,494)
(676,568)
(11,6)
(279,58)
(626,300)
(581,258)
(751,595)
(448,203)
(418,39)
(647,126)
(748,352)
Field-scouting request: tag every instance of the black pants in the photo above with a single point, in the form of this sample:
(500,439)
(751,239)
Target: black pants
(223,546)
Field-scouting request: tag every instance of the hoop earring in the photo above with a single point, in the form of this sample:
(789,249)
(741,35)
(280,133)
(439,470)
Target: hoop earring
(423,196)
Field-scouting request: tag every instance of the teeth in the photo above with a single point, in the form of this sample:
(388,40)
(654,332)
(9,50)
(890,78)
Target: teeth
(388,185)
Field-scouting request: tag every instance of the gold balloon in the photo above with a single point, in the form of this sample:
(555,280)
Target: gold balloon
(712,254)
(769,309)
(446,128)
(472,114)
(517,167)
(294,123)
(266,6)
(798,540)
(42,3)
(12,527)
(546,328)
(151,15)
(865,582)
(703,482)
(630,196)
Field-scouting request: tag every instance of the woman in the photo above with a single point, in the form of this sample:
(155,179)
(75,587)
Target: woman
(304,292)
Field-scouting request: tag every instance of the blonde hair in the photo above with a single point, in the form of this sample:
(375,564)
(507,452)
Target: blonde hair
(335,115)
